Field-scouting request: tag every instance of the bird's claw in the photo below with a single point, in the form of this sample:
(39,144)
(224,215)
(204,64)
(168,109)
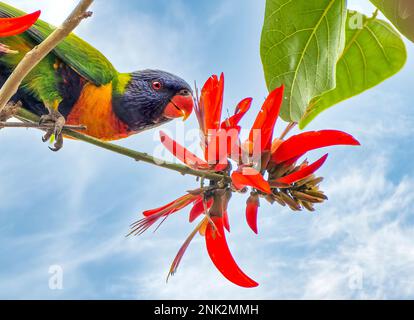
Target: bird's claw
(58,122)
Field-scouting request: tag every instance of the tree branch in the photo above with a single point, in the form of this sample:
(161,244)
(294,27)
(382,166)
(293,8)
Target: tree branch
(25,115)
(36,125)
(33,57)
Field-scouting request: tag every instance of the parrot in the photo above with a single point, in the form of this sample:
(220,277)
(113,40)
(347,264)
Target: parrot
(76,84)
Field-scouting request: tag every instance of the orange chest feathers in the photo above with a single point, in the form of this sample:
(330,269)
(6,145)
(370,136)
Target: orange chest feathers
(94,110)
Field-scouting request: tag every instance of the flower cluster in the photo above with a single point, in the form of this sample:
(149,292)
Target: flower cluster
(268,166)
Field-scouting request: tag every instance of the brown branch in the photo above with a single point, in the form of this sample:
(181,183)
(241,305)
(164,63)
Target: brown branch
(288,128)
(9,111)
(32,58)
(37,126)
(25,115)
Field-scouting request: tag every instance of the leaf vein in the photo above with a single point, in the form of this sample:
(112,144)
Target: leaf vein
(303,54)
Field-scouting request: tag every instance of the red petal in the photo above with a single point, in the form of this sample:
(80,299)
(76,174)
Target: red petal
(224,144)
(219,145)
(210,105)
(198,208)
(181,153)
(266,120)
(183,201)
(151,212)
(152,216)
(250,177)
(252,207)
(219,253)
(304,172)
(226,222)
(300,144)
(291,161)
(239,113)
(13,26)
(230,130)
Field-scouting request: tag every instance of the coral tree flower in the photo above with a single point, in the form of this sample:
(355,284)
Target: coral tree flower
(269,168)
(259,143)
(220,139)
(14,26)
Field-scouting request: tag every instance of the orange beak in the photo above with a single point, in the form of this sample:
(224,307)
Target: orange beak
(181,105)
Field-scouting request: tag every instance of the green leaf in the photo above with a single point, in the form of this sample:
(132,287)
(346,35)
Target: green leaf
(400,13)
(301,43)
(374,51)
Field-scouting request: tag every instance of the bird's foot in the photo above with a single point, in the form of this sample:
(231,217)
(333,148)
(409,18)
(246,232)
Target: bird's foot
(54,133)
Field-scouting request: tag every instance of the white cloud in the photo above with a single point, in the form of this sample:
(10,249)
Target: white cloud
(54,12)
(363,6)
(141,41)
(222,11)
(373,223)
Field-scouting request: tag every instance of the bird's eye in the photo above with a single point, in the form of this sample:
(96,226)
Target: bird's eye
(156,85)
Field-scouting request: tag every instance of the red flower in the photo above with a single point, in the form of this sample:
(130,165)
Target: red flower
(210,104)
(14,26)
(152,216)
(299,144)
(220,139)
(260,141)
(249,176)
(305,171)
(270,169)
(265,122)
(252,207)
(285,155)
(200,207)
(181,153)
(220,255)
(241,109)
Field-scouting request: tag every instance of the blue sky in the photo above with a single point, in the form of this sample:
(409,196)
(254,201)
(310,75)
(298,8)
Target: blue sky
(73,208)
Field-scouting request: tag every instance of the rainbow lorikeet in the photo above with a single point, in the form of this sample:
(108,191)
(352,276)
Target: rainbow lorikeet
(75,84)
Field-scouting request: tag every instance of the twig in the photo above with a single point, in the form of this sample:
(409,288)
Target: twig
(136,155)
(32,58)
(289,127)
(37,126)
(9,111)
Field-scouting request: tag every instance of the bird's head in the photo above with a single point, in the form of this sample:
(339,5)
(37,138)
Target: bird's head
(153,97)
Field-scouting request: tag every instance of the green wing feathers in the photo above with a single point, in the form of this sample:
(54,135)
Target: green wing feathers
(76,53)
(42,82)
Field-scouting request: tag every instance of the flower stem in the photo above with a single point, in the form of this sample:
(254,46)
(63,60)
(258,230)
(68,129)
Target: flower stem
(136,155)
(289,127)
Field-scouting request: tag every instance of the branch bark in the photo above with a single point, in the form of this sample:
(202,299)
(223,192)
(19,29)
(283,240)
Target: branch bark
(25,115)
(36,126)
(33,57)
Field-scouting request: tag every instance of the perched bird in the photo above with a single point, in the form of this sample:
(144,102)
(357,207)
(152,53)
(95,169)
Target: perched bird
(75,84)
